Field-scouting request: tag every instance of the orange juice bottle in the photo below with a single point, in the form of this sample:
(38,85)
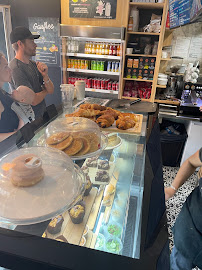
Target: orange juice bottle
(100,49)
(90,48)
(103,49)
(86,47)
(93,48)
(97,48)
(106,48)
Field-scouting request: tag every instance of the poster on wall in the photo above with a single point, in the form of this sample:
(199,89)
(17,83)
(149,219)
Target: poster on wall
(97,9)
(48,45)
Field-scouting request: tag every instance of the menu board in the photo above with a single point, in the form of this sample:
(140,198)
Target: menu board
(48,45)
(182,11)
(179,12)
(97,9)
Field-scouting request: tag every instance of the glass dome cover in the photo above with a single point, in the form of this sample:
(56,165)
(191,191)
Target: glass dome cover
(61,184)
(78,137)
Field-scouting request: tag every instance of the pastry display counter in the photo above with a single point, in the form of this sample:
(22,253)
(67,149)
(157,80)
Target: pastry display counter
(116,214)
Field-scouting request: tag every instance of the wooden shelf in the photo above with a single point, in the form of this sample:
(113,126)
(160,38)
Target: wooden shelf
(143,55)
(143,5)
(133,98)
(138,80)
(143,33)
(160,86)
(171,102)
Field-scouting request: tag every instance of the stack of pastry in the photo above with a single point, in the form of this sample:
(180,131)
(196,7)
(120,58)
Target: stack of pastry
(105,116)
(74,144)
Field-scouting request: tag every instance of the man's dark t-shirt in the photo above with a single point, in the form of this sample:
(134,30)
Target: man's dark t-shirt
(9,120)
(28,75)
(188,226)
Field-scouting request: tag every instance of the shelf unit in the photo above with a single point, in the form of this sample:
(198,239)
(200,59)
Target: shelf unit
(170,102)
(79,35)
(147,6)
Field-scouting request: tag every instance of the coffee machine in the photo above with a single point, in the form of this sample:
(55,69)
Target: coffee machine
(191,98)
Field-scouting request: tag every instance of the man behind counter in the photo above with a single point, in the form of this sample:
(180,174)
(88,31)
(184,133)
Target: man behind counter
(26,72)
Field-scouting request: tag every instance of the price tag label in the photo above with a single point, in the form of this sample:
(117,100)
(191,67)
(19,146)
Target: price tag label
(76,70)
(93,90)
(111,91)
(75,54)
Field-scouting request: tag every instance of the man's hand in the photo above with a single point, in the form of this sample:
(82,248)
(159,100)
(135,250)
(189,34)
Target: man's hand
(43,69)
(200,109)
(169,192)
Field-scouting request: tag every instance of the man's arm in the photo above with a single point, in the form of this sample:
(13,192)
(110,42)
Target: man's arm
(185,171)
(39,97)
(48,84)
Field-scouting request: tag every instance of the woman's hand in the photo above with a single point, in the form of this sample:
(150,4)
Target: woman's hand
(169,192)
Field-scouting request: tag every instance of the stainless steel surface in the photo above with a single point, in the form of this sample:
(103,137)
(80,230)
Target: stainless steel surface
(92,32)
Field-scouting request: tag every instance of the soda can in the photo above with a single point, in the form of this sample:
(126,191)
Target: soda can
(79,64)
(82,64)
(86,64)
(98,84)
(73,80)
(98,65)
(117,67)
(92,65)
(72,63)
(109,86)
(114,86)
(117,86)
(94,83)
(103,84)
(76,63)
(89,83)
(113,66)
(69,63)
(109,66)
(102,65)
(106,83)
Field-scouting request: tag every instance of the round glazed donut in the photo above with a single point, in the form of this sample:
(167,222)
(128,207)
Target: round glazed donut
(27,170)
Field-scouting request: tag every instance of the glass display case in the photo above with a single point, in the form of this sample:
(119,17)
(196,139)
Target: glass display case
(114,218)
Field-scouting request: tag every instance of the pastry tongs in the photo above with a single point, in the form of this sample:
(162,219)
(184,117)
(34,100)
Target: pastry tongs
(127,105)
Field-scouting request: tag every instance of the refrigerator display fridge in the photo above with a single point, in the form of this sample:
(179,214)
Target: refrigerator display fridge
(93,54)
(118,220)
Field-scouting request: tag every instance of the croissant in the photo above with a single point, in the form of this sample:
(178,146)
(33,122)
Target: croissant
(88,112)
(105,120)
(112,112)
(125,123)
(130,115)
(92,107)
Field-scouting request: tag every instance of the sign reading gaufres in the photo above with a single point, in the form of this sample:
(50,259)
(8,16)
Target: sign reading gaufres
(48,50)
(97,9)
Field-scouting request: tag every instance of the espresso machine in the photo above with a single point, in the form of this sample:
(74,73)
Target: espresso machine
(191,99)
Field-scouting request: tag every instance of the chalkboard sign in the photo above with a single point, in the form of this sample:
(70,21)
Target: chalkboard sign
(97,9)
(48,45)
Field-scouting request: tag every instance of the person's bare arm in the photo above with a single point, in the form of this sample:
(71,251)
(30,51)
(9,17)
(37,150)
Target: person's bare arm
(185,171)
(39,97)
(48,84)
(4,136)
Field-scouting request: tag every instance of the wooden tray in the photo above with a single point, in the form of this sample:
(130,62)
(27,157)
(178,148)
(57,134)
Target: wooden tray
(135,130)
(73,232)
(95,209)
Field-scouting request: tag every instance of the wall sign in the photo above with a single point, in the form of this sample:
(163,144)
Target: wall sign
(98,9)
(48,45)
